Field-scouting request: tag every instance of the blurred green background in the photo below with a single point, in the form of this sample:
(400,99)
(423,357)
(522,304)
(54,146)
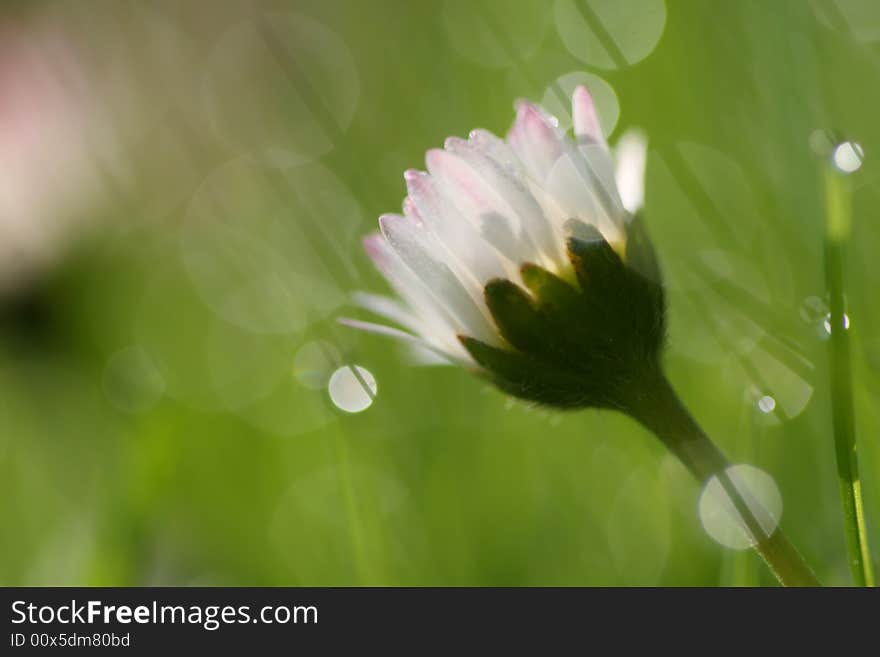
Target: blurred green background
(183,186)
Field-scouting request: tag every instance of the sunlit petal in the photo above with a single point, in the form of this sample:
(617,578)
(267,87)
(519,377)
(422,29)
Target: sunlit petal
(631,154)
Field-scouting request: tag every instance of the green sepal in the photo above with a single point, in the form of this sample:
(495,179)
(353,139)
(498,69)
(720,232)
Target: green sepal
(630,306)
(549,290)
(575,345)
(536,380)
(515,315)
(564,308)
(596,264)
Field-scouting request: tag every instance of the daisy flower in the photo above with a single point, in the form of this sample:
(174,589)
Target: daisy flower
(524,258)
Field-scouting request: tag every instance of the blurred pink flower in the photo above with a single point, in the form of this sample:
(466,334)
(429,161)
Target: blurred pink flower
(49,128)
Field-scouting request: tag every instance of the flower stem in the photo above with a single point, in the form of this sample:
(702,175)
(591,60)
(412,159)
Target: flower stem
(658,408)
(838,217)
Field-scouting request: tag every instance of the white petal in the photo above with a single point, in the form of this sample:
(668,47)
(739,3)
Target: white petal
(507,196)
(425,257)
(631,153)
(460,237)
(481,206)
(579,182)
(389,309)
(536,143)
(425,357)
(410,209)
(596,166)
(585,118)
(497,149)
(593,148)
(380,329)
(448,354)
(438,324)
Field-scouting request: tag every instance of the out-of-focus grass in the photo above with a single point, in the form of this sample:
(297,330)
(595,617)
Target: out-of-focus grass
(152,430)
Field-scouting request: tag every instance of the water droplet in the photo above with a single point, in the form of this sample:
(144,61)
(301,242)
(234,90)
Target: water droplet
(720,514)
(826,323)
(778,381)
(314,363)
(352,388)
(814,311)
(766,404)
(131,380)
(848,157)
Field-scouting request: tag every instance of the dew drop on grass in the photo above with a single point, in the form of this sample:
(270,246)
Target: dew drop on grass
(352,388)
(848,157)
(720,513)
(766,404)
(814,311)
(826,323)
